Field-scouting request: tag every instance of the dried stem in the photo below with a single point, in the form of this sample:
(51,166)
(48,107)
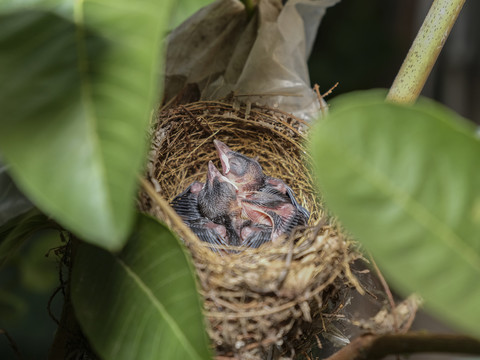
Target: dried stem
(387,291)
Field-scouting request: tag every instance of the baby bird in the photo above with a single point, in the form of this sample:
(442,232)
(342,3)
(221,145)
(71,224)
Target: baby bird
(209,232)
(244,172)
(247,174)
(278,187)
(217,201)
(186,206)
(274,211)
(242,206)
(254,235)
(186,203)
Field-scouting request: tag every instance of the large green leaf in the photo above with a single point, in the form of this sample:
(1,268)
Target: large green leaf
(405,181)
(143,303)
(12,5)
(75,100)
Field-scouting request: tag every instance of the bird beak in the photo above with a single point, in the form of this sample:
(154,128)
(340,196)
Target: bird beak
(222,151)
(224,178)
(212,172)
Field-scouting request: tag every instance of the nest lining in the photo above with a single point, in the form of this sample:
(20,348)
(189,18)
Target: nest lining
(261,299)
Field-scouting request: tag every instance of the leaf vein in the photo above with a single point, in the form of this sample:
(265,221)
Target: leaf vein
(412,207)
(161,309)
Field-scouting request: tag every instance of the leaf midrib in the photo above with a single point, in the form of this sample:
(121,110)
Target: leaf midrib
(90,116)
(161,309)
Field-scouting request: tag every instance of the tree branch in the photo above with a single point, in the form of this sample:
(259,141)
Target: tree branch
(375,347)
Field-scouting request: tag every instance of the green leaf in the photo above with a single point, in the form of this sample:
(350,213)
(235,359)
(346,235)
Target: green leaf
(19,229)
(404,181)
(13,5)
(75,102)
(142,303)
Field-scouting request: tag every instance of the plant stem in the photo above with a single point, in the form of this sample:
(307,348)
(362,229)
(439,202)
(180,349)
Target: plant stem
(424,51)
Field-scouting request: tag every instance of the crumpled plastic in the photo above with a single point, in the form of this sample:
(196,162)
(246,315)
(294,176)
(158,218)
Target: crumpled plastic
(261,60)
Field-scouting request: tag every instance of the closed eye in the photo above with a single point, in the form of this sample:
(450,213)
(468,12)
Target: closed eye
(237,166)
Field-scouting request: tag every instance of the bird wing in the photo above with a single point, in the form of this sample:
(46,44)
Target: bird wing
(258,235)
(257,213)
(280,215)
(186,205)
(275,185)
(209,232)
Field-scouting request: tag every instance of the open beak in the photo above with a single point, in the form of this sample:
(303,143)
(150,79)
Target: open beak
(222,151)
(224,178)
(212,172)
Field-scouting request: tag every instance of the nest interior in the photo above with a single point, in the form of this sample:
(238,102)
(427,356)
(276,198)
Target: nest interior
(258,302)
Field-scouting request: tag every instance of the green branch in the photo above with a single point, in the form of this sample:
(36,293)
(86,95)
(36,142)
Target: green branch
(424,51)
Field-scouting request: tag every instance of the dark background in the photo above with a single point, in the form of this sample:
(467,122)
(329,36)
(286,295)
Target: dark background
(362,44)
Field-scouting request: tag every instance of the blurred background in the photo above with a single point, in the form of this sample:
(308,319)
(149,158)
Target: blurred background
(361,45)
(29,302)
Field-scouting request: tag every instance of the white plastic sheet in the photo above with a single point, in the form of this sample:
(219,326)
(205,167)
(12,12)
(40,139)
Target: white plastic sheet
(259,60)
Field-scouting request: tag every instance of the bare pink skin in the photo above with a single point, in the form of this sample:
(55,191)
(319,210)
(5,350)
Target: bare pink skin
(246,232)
(219,229)
(196,187)
(277,184)
(266,216)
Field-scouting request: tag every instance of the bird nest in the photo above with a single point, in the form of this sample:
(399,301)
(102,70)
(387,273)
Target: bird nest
(269,302)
